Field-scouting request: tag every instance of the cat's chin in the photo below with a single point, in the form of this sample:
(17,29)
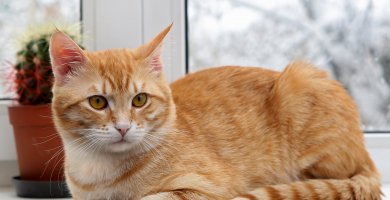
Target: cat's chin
(120,147)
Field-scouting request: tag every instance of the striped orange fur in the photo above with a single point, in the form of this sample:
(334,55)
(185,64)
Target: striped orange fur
(222,133)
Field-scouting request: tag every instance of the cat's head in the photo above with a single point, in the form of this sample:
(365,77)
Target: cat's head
(110,101)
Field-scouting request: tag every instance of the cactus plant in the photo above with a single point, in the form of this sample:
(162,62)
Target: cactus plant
(33,76)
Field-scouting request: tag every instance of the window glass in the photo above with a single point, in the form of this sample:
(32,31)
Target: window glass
(17,16)
(348,38)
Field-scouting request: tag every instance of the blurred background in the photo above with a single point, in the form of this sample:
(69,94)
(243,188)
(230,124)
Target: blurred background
(350,39)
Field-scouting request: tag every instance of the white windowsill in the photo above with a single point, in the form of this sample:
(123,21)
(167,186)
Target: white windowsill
(378,145)
(377,140)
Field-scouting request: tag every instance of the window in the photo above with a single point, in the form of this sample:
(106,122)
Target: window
(347,38)
(16,16)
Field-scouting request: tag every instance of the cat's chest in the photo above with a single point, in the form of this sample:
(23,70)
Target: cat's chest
(90,171)
(108,180)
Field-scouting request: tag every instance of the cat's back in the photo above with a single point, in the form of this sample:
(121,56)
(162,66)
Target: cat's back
(217,86)
(242,99)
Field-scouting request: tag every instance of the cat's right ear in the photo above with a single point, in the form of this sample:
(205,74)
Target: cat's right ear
(65,55)
(150,52)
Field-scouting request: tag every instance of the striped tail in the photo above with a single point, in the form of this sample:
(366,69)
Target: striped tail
(359,187)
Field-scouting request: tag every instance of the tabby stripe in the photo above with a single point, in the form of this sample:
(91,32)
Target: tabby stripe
(148,112)
(127,83)
(335,193)
(249,196)
(312,190)
(142,162)
(104,87)
(86,187)
(351,190)
(111,83)
(161,123)
(295,193)
(157,97)
(317,148)
(180,195)
(148,106)
(273,193)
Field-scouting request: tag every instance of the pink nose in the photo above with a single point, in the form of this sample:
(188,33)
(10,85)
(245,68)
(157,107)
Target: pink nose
(122,128)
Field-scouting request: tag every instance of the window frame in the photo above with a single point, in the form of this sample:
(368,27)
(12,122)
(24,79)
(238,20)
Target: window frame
(149,17)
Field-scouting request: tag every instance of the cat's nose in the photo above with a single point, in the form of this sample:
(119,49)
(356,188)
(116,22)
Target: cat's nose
(122,128)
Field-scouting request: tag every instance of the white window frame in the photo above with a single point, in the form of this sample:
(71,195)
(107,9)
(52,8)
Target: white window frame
(130,23)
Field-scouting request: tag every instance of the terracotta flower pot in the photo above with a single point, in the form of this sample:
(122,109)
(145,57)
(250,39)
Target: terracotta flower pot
(38,145)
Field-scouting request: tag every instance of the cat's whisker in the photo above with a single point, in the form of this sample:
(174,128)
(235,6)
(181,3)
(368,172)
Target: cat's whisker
(87,147)
(79,147)
(52,137)
(48,136)
(55,155)
(157,151)
(161,140)
(47,116)
(55,166)
(52,149)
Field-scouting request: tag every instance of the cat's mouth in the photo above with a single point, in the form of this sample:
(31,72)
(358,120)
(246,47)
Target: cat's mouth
(121,145)
(121,141)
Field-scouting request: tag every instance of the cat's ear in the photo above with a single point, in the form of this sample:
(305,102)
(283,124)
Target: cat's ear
(65,55)
(150,52)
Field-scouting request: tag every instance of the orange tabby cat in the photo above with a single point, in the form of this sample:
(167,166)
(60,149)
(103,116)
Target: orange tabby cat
(221,133)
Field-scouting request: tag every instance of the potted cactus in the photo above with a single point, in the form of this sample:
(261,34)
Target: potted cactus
(39,148)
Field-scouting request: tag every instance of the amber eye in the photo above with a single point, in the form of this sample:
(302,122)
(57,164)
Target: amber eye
(140,100)
(98,102)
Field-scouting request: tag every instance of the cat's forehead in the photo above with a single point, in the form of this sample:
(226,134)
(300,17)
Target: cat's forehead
(115,72)
(115,61)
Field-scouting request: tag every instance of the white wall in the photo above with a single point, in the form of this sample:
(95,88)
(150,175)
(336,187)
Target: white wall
(7,145)
(8,164)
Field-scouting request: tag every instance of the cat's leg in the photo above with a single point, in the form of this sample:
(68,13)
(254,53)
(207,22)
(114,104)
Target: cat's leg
(176,195)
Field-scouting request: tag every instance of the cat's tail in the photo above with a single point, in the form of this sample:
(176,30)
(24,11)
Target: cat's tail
(358,187)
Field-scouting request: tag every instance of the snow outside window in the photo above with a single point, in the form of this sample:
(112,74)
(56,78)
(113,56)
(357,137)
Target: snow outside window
(348,38)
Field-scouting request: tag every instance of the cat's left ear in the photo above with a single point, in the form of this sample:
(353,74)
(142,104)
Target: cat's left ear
(65,55)
(151,51)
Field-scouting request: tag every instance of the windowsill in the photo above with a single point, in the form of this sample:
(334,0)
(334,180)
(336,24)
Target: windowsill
(8,193)
(377,140)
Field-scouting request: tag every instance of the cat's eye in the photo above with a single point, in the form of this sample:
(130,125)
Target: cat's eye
(139,100)
(98,102)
